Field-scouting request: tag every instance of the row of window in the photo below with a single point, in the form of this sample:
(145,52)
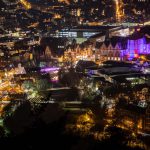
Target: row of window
(114,58)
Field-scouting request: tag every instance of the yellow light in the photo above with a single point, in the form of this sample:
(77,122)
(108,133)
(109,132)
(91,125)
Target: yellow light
(119,12)
(143,57)
(78,12)
(26,4)
(66,1)
(57,16)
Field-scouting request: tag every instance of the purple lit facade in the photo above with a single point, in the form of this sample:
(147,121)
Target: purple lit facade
(135,47)
(50,69)
(122,49)
(53,71)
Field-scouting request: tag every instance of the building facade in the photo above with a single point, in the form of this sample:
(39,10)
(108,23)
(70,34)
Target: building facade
(126,49)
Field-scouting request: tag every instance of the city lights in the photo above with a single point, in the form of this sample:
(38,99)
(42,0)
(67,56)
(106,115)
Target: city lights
(119,10)
(76,73)
(26,4)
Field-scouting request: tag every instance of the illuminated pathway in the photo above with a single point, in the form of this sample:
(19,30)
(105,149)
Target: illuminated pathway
(147,23)
(119,12)
(26,4)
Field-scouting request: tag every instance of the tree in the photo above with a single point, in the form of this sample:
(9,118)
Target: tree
(85,123)
(7,111)
(118,136)
(51,113)
(42,84)
(22,118)
(74,43)
(2,132)
(110,91)
(71,78)
(100,116)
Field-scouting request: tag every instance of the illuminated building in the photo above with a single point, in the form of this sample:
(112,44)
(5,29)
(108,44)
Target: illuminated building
(74,55)
(139,7)
(133,117)
(137,46)
(123,48)
(20,70)
(81,34)
(108,52)
(116,48)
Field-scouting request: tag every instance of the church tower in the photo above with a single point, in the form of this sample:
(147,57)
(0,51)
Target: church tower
(48,53)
